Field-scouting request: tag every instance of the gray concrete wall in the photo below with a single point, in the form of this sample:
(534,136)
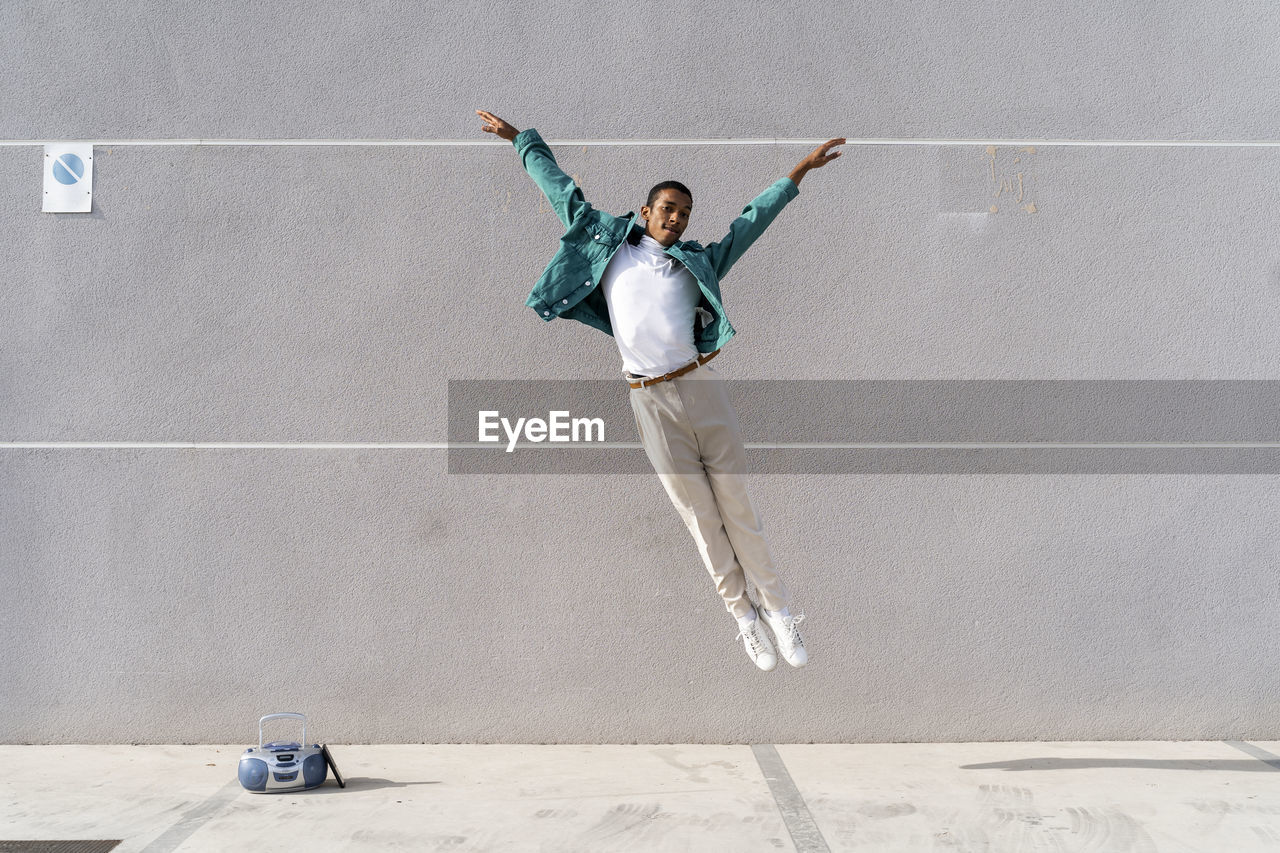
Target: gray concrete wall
(299,294)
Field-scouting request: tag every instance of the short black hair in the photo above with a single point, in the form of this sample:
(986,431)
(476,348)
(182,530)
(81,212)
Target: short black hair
(667,185)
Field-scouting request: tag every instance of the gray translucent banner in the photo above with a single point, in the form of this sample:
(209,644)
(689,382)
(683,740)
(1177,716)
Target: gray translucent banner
(889,426)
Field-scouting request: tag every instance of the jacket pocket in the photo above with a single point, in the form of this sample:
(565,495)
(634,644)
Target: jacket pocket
(595,241)
(566,281)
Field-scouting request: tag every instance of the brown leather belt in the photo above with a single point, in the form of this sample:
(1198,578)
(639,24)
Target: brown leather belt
(654,380)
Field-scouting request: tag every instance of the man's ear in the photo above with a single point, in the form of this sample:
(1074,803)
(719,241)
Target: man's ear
(644,213)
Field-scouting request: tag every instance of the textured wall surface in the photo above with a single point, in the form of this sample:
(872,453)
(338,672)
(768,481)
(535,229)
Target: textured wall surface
(328,293)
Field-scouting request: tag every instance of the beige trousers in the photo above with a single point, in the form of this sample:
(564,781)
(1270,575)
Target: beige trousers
(690,434)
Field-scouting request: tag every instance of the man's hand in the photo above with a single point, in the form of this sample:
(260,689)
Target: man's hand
(818,158)
(493,124)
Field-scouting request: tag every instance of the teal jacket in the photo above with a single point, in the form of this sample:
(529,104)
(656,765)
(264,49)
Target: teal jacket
(570,285)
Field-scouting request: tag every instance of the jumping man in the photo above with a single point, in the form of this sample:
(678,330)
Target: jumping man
(659,297)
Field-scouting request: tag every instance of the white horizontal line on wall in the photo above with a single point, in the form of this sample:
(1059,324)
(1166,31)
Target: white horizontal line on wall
(625,445)
(473,143)
(224,445)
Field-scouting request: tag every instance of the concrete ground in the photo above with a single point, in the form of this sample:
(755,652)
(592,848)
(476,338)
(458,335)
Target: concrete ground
(1108,796)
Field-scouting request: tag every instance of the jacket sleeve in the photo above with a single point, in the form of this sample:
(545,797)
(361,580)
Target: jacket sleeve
(565,196)
(750,224)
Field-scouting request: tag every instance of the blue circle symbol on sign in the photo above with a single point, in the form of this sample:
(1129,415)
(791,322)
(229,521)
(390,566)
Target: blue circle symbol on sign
(68,169)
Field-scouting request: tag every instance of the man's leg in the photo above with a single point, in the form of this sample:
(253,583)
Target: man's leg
(666,432)
(720,444)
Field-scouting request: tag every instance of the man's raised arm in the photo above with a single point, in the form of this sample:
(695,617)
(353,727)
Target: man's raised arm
(565,196)
(755,218)
(818,157)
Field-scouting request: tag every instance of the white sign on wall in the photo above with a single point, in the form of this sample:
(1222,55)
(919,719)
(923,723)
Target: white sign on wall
(68,178)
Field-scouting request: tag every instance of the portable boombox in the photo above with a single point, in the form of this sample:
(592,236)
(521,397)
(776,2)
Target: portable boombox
(281,766)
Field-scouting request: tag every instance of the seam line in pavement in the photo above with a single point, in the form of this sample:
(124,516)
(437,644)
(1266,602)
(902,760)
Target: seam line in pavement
(193,819)
(1256,751)
(805,834)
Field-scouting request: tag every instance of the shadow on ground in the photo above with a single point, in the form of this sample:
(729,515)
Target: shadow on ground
(1242,766)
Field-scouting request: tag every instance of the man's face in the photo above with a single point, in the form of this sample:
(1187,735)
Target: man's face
(668,217)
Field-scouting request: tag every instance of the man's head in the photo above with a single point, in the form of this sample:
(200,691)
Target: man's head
(667,212)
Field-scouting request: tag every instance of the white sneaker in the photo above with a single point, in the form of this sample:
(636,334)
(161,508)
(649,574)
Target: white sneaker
(759,649)
(790,643)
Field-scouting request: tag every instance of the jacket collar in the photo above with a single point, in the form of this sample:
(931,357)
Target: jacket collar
(635,230)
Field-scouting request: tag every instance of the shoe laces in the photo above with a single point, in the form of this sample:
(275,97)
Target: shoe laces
(753,638)
(793,633)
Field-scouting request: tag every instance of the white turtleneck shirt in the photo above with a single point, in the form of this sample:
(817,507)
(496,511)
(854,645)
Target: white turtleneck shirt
(652,299)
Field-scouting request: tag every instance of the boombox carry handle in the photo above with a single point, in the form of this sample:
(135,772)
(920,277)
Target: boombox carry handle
(302,717)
